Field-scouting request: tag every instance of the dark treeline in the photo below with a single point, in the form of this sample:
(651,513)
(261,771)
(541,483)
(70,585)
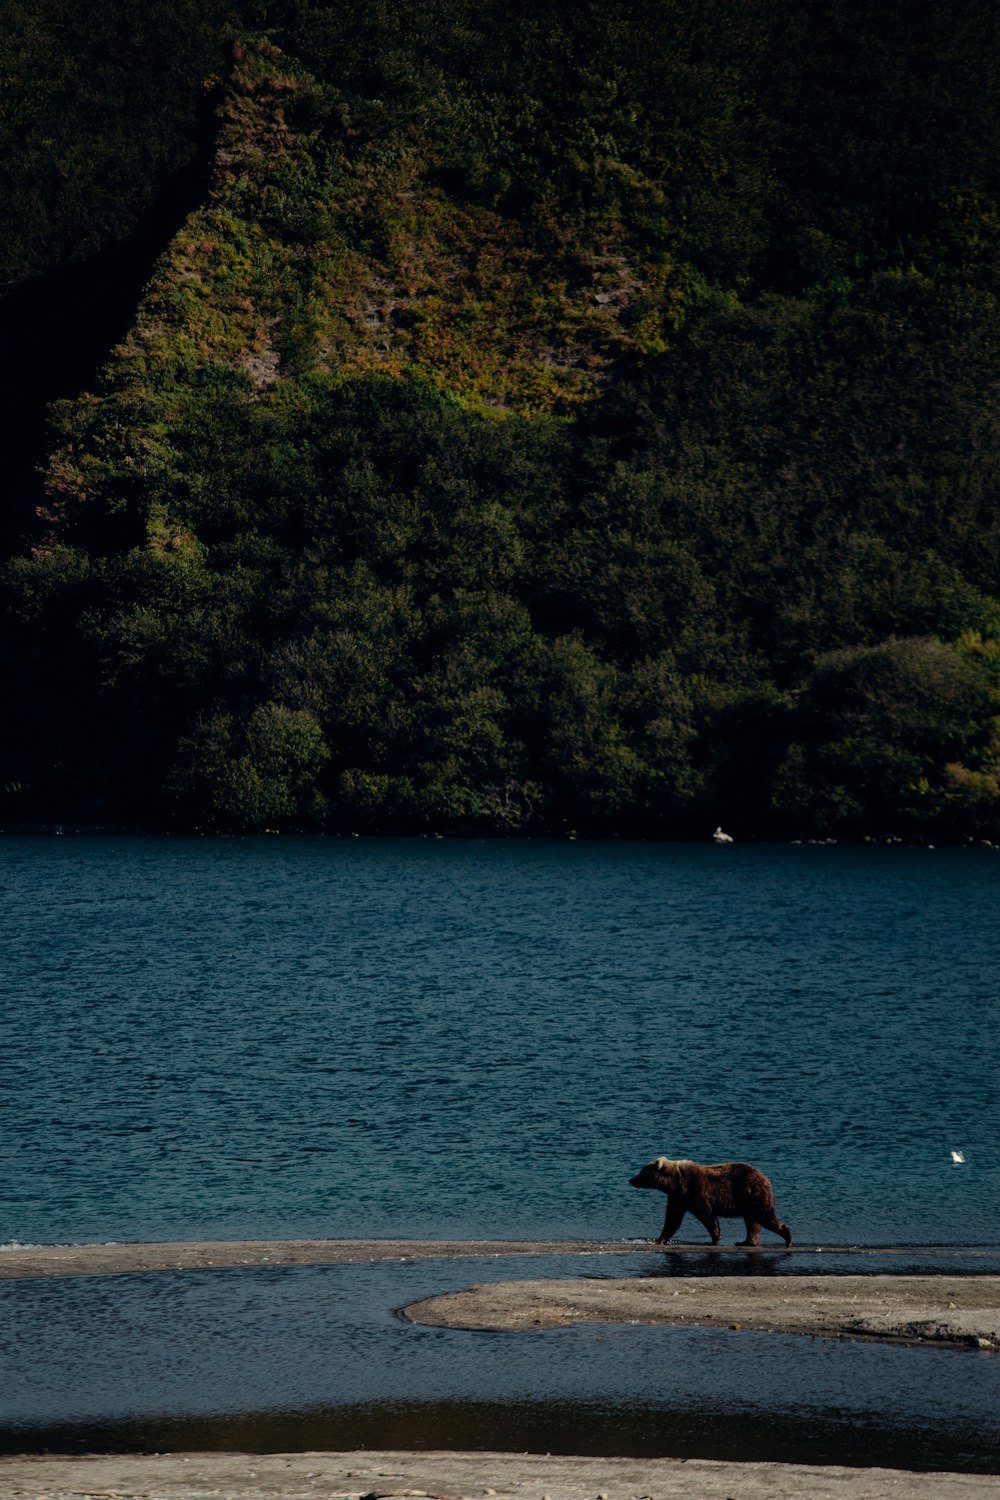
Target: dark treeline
(542,421)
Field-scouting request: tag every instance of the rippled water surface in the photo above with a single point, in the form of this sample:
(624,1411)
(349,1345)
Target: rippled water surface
(280,1037)
(270,1037)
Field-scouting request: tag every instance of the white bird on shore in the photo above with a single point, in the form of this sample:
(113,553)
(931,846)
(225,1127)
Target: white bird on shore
(719,837)
(958,1156)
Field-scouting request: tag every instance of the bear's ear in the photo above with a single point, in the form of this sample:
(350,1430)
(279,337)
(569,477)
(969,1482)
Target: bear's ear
(662,1163)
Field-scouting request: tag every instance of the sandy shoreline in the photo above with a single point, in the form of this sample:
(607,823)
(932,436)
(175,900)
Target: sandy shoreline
(368,1475)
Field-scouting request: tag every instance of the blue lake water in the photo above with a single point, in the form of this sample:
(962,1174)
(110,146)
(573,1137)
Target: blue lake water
(226,1038)
(280,1037)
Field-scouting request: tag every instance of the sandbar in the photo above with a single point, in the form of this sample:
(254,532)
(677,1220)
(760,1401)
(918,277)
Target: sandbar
(958,1310)
(196,1255)
(199,1255)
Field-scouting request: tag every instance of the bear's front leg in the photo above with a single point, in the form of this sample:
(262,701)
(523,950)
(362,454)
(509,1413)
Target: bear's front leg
(672,1221)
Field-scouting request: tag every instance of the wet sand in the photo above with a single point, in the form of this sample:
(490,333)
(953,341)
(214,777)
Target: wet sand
(192,1255)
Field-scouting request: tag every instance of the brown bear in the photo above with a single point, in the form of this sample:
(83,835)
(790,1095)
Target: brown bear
(731,1190)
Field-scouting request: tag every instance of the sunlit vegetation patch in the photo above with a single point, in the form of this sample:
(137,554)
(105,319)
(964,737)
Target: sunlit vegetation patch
(327,244)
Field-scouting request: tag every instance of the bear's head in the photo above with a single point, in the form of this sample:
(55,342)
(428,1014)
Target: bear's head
(662,1174)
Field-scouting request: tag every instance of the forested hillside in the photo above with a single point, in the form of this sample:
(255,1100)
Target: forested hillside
(503,417)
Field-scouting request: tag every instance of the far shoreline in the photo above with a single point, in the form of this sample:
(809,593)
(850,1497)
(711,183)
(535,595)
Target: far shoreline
(72,828)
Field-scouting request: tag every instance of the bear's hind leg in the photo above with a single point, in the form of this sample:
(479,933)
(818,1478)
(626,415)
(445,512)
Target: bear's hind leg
(753,1233)
(711,1223)
(775,1225)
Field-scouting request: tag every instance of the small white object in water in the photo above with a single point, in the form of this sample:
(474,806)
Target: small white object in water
(722,838)
(958,1156)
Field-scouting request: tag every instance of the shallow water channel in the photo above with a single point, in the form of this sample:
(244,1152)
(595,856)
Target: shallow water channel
(320,1357)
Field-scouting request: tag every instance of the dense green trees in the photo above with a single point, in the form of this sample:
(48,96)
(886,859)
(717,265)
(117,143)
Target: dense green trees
(879,727)
(544,421)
